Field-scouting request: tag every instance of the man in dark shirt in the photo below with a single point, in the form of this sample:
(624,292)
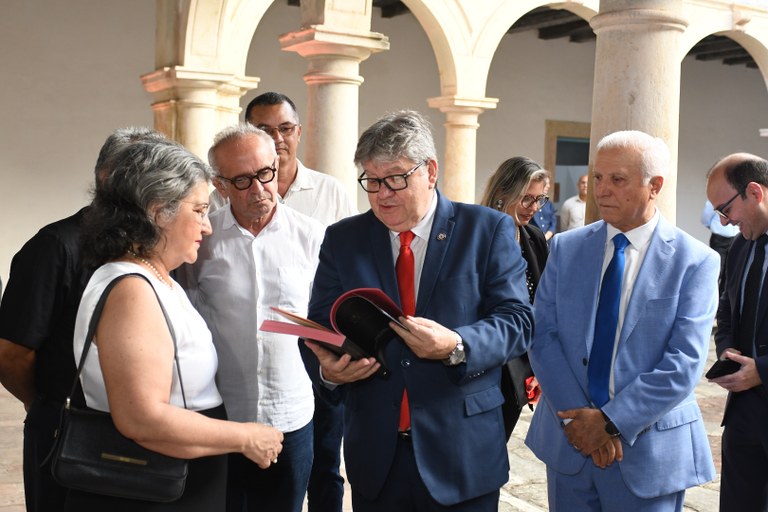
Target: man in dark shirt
(37,320)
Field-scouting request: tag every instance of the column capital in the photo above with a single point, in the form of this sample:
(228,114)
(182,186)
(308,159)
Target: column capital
(638,20)
(456,104)
(191,105)
(325,41)
(178,82)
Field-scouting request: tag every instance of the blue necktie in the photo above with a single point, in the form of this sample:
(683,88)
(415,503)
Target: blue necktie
(606,321)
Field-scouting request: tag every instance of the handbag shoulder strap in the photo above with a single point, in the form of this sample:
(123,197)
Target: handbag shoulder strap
(95,321)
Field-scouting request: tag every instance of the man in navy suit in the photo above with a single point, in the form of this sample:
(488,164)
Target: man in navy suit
(471,315)
(626,434)
(738,186)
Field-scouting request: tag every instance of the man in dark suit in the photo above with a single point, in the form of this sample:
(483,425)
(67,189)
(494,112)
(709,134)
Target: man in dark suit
(430,436)
(738,186)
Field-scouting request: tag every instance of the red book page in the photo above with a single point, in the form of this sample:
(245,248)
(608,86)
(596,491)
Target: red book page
(302,327)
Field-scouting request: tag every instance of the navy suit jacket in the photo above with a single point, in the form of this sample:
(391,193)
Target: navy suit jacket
(662,349)
(473,281)
(729,311)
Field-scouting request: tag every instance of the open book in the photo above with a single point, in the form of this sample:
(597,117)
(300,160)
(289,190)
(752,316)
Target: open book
(360,320)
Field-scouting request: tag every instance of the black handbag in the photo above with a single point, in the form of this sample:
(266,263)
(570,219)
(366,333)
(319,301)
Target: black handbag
(515,373)
(91,455)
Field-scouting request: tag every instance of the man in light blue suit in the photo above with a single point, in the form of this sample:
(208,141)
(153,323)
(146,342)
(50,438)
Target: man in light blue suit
(643,443)
(471,315)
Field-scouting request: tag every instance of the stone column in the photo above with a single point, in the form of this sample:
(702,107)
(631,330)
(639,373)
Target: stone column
(191,106)
(637,79)
(458,166)
(330,129)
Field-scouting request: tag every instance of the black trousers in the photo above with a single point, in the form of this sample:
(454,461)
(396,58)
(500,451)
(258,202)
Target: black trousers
(41,491)
(744,478)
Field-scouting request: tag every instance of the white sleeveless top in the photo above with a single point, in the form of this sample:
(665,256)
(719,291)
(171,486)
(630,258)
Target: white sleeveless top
(197,355)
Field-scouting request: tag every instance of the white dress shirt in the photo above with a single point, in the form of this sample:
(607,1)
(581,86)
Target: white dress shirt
(235,280)
(634,254)
(572,213)
(319,196)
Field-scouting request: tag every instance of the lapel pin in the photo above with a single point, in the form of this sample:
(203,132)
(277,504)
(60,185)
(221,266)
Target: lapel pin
(441,236)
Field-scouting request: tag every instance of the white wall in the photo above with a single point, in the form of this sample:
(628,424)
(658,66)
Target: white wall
(70,75)
(721,110)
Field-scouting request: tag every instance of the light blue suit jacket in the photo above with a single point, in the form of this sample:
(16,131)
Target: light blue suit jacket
(661,355)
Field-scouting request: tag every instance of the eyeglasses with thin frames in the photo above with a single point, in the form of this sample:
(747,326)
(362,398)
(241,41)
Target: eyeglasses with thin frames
(244,181)
(720,210)
(199,208)
(528,200)
(393,182)
(285,130)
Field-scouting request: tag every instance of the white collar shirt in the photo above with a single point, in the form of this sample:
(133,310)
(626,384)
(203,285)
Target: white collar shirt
(235,281)
(319,196)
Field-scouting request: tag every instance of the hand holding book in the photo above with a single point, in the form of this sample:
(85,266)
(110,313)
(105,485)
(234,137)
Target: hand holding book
(360,320)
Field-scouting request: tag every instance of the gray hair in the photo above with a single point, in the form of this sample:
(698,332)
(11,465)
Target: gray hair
(653,151)
(507,185)
(400,134)
(235,132)
(119,140)
(149,179)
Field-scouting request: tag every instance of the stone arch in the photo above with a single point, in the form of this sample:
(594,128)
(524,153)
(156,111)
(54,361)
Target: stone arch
(747,27)
(213,35)
(464,40)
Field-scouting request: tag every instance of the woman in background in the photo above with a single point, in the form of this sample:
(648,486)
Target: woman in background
(148,217)
(517,188)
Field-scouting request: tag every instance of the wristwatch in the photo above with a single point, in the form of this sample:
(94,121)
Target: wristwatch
(610,427)
(457,355)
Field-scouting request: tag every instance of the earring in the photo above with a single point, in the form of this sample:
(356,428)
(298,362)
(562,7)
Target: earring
(499,204)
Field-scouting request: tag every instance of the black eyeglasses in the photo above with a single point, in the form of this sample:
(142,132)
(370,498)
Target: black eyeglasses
(720,210)
(527,201)
(244,181)
(285,130)
(393,182)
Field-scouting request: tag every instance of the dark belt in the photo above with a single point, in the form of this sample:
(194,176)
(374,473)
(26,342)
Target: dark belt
(405,435)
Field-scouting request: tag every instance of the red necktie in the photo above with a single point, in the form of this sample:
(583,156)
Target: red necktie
(407,286)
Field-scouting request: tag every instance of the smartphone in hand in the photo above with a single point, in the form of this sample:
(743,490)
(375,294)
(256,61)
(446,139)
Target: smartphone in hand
(722,367)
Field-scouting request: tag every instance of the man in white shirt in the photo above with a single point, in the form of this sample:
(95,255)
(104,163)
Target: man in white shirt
(323,198)
(261,254)
(573,209)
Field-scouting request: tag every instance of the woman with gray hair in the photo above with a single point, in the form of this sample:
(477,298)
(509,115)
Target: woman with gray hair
(517,188)
(148,217)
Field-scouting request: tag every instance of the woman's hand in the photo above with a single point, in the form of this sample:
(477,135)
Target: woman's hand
(265,444)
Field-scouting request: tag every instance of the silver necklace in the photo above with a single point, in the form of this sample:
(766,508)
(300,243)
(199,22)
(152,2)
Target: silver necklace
(151,267)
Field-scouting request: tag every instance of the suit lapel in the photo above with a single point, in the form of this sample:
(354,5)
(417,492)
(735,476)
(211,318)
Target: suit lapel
(437,247)
(381,254)
(587,276)
(740,254)
(660,251)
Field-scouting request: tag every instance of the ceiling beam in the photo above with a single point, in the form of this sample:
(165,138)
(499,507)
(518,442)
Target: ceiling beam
(743,59)
(723,54)
(542,17)
(581,36)
(563,30)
